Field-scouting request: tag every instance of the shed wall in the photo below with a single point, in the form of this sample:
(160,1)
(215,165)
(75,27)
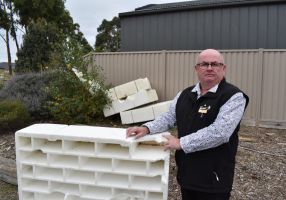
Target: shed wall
(242,27)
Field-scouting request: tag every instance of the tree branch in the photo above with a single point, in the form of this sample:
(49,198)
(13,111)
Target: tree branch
(3,38)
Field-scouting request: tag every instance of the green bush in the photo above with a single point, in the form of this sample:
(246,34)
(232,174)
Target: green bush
(1,84)
(30,89)
(4,76)
(72,102)
(13,115)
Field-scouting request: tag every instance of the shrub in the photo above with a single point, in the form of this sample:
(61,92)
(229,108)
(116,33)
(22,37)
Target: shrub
(13,115)
(4,76)
(30,89)
(73,101)
(1,84)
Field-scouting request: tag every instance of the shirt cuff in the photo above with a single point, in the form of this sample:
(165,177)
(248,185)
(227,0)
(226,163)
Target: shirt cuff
(150,127)
(184,144)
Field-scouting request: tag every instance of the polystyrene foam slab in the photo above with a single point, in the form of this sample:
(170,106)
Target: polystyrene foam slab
(143,114)
(124,90)
(130,95)
(142,97)
(143,84)
(160,108)
(86,162)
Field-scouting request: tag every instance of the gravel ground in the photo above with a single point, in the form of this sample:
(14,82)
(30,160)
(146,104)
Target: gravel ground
(260,168)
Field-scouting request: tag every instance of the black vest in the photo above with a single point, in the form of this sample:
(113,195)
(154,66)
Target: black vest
(210,170)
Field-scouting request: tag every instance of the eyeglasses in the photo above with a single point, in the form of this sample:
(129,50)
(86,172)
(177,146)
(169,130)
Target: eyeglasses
(207,64)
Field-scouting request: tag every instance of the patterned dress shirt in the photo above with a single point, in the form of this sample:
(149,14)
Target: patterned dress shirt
(211,136)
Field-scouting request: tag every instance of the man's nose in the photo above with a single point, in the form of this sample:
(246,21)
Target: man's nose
(209,66)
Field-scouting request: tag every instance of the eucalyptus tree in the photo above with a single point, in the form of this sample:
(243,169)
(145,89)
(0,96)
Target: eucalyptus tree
(108,37)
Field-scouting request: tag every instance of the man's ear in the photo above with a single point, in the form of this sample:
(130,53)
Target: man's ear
(196,68)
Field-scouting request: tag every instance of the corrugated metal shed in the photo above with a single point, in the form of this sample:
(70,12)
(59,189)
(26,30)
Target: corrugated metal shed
(220,24)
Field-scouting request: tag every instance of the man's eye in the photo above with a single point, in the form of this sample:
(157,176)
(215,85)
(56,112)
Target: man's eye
(214,64)
(205,64)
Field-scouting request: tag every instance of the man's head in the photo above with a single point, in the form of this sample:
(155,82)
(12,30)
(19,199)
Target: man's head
(210,67)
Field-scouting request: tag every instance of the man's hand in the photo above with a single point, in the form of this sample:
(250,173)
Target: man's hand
(137,131)
(172,143)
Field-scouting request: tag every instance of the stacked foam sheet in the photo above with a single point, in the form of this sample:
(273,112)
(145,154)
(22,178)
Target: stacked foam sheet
(146,113)
(60,162)
(130,95)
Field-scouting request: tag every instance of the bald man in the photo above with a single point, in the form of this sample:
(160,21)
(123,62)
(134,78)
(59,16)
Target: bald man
(208,117)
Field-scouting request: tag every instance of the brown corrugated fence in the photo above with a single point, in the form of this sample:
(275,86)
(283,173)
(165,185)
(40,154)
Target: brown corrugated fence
(260,73)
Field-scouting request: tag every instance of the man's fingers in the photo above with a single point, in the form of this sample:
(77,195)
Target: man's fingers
(131,131)
(139,135)
(167,136)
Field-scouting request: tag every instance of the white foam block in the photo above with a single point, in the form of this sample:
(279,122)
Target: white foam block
(126,117)
(122,105)
(111,94)
(87,162)
(144,97)
(143,114)
(152,94)
(143,84)
(160,108)
(125,90)
(140,98)
(146,113)
(108,111)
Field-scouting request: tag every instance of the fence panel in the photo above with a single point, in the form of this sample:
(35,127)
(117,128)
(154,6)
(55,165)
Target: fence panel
(273,109)
(243,70)
(259,73)
(180,71)
(123,67)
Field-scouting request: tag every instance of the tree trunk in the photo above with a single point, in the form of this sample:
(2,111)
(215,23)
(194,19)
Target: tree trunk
(16,41)
(13,29)
(8,52)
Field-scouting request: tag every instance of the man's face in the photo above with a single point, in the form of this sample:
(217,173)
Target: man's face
(210,68)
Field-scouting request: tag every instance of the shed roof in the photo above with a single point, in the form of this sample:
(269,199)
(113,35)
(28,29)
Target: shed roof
(190,5)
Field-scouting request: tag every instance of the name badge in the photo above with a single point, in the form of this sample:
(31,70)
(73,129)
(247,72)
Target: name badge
(204,109)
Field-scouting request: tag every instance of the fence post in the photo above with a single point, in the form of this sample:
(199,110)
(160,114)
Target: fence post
(260,70)
(164,64)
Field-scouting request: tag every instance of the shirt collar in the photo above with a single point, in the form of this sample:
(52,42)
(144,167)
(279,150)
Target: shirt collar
(197,89)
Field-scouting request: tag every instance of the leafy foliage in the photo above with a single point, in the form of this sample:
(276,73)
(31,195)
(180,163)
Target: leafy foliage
(49,27)
(4,76)
(53,11)
(30,89)
(13,115)
(41,42)
(4,17)
(8,24)
(108,37)
(73,100)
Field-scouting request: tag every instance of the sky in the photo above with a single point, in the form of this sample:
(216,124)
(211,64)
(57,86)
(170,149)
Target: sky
(89,15)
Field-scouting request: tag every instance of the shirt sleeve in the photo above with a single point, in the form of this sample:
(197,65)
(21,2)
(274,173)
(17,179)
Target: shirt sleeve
(220,130)
(166,120)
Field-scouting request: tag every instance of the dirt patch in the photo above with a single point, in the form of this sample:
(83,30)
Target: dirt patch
(8,192)
(260,171)
(7,145)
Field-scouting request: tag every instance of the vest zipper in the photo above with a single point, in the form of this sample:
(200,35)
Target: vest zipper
(216,176)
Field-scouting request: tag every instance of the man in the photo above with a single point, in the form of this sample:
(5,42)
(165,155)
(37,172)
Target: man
(208,117)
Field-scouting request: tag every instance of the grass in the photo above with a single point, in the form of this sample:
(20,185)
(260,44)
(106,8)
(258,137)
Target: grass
(4,76)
